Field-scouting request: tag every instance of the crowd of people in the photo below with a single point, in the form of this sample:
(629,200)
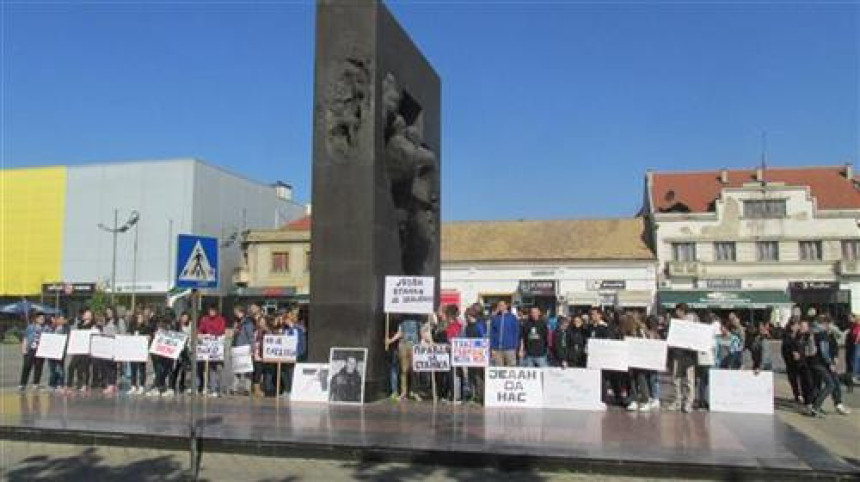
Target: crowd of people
(810,347)
(81,373)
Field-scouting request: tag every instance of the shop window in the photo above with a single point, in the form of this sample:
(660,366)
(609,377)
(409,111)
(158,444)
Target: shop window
(280,262)
(767,251)
(685,252)
(763,209)
(851,249)
(725,251)
(810,251)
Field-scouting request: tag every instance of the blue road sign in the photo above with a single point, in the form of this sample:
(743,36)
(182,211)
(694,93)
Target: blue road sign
(196,262)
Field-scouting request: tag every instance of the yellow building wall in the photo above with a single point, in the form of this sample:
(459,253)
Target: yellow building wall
(32,210)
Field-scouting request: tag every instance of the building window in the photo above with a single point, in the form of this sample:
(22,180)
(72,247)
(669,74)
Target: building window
(767,250)
(280,262)
(810,251)
(684,251)
(762,209)
(851,250)
(724,251)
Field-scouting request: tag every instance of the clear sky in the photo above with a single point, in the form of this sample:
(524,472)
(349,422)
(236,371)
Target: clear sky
(550,109)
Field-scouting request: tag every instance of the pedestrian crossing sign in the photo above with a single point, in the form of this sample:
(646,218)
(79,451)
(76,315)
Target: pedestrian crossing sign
(196,262)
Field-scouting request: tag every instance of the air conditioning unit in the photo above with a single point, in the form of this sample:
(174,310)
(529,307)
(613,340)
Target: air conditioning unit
(849,268)
(684,269)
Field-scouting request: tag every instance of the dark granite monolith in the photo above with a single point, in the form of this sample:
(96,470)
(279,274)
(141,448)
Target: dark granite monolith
(375,176)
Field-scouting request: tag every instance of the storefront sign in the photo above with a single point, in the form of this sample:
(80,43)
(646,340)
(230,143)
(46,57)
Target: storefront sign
(723,284)
(68,289)
(813,285)
(607,284)
(537,287)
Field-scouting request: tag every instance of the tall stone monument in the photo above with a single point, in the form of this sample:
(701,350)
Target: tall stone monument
(376,171)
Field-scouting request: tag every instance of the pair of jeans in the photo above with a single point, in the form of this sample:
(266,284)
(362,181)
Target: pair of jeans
(31,363)
(793,373)
(393,372)
(856,360)
(79,371)
(703,379)
(287,370)
(640,387)
(684,377)
(654,385)
(57,371)
(534,361)
(138,374)
(830,386)
(162,367)
(212,381)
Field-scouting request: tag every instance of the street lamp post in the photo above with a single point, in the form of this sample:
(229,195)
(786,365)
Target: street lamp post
(133,218)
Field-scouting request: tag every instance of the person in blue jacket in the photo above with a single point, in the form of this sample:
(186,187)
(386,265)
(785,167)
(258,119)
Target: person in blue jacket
(504,337)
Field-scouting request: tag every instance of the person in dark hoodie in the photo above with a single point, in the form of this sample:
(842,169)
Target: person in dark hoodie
(569,343)
(243,336)
(822,360)
(790,356)
(474,328)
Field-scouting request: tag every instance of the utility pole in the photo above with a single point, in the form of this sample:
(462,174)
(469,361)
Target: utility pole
(113,263)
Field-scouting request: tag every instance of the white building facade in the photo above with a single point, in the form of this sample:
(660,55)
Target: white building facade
(762,241)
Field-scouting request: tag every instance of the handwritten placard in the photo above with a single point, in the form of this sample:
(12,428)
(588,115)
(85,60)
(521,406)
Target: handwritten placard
(280,348)
(102,347)
(168,344)
(741,391)
(572,389)
(210,348)
(607,355)
(646,354)
(410,294)
(51,346)
(431,358)
(514,387)
(470,352)
(79,342)
(131,348)
(241,357)
(690,335)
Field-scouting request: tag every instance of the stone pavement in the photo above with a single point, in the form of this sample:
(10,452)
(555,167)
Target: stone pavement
(29,461)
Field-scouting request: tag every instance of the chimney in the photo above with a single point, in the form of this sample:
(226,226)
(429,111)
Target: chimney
(849,170)
(724,176)
(283,191)
(759,174)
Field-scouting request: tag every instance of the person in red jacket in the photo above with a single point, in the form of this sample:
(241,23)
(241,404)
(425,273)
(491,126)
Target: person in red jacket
(213,324)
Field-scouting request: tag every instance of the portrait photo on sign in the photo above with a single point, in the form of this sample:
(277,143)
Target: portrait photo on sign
(346,372)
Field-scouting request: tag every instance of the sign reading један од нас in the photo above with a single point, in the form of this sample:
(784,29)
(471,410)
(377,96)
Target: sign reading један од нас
(410,294)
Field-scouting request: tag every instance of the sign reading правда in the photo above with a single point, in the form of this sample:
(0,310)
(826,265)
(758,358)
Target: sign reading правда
(410,294)
(431,358)
(196,262)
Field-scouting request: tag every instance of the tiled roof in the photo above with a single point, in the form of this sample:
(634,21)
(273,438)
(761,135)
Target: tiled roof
(301,224)
(698,190)
(591,239)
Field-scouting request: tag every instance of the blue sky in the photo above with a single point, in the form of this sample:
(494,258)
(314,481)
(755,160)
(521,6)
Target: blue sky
(550,110)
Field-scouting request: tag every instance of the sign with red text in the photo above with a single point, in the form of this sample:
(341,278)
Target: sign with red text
(168,344)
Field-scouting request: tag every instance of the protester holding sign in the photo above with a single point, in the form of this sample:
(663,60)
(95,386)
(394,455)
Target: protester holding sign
(139,327)
(243,336)
(504,337)
(474,386)
(213,324)
(263,372)
(292,329)
(108,367)
(79,365)
(57,368)
(639,396)
(683,366)
(162,365)
(408,335)
(29,345)
(182,364)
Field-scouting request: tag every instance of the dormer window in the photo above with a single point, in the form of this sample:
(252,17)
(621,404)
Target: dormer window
(764,209)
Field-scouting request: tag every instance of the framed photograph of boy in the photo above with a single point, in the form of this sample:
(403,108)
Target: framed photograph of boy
(346,375)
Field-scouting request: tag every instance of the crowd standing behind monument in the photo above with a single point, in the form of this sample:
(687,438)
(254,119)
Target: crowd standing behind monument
(810,348)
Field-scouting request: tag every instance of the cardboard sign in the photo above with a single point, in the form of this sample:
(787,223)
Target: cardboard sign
(690,335)
(280,348)
(79,342)
(431,358)
(513,387)
(410,294)
(131,348)
(470,352)
(168,344)
(607,355)
(310,383)
(242,362)
(102,347)
(741,391)
(646,354)
(51,346)
(210,348)
(572,389)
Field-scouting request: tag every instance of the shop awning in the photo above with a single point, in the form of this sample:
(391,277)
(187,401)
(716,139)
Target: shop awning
(749,299)
(634,298)
(583,298)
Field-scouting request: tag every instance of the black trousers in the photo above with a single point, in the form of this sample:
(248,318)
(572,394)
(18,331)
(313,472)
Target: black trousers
(31,363)
(79,370)
(793,373)
(138,374)
(287,370)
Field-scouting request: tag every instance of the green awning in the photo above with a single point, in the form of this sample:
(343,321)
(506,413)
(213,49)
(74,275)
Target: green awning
(750,299)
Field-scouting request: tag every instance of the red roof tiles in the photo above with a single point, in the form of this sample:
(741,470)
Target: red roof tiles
(698,190)
(301,224)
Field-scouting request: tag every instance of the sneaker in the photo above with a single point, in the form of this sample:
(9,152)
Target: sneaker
(687,408)
(674,407)
(213,395)
(647,406)
(84,389)
(187,391)
(167,393)
(655,404)
(153,392)
(816,413)
(109,390)
(22,388)
(842,409)
(633,406)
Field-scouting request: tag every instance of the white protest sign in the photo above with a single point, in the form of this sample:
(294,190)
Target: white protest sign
(690,335)
(280,348)
(102,347)
(646,354)
(431,358)
(79,342)
(310,383)
(741,391)
(607,355)
(513,387)
(210,348)
(168,344)
(242,362)
(131,348)
(470,352)
(410,294)
(51,346)
(572,389)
